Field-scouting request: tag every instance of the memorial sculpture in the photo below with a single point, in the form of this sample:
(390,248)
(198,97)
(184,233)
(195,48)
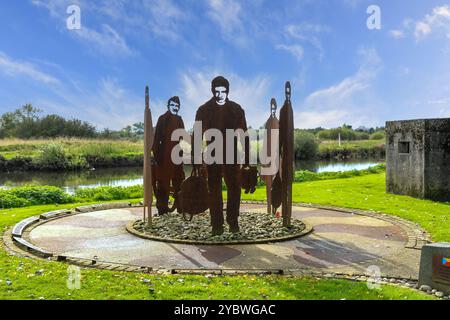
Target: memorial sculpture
(167,176)
(287,155)
(221,114)
(271,124)
(148,142)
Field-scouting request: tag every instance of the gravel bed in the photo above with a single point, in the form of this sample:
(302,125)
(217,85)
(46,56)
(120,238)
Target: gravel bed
(253,226)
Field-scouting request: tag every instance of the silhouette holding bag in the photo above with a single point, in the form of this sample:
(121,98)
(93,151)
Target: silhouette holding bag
(249,176)
(193,196)
(276,193)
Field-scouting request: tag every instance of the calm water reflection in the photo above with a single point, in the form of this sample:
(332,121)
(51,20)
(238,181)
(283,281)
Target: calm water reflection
(70,181)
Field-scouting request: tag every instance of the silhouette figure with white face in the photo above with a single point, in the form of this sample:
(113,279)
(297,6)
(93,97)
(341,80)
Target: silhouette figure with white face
(167,176)
(222,114)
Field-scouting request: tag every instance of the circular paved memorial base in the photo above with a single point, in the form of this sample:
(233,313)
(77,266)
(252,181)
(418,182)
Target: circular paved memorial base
(341,242)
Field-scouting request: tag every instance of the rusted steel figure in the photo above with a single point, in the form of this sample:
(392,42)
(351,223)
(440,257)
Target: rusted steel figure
(271,124)
(222,114)
(167,176)
(287,155)
(148,142)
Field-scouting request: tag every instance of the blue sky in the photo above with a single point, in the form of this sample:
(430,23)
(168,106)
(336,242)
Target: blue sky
(341,71)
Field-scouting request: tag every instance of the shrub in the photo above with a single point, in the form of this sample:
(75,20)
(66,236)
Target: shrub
(41,195)
(306,145)
(109,193)
(378,135)
(53,156)
(8,200)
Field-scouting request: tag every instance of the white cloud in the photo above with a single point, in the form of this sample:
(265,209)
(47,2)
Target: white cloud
(437,22)
(351,100)
(307,32)
(15,68)
(397,34)
(253,94)
(296,50)
(106,41)
(106,104)
(226,14)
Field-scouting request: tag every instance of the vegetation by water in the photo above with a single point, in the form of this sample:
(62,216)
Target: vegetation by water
(66,154)
(360,190)
(32,141)
(34,195)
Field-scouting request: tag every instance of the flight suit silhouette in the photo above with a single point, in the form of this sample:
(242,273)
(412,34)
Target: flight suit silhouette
(167,176)
(229,116)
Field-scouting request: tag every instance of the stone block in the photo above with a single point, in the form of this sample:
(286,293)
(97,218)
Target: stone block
(435,266)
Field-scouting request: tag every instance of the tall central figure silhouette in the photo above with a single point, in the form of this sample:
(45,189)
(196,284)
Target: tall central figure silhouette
(222,114)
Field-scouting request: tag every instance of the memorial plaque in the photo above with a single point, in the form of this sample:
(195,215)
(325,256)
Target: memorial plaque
(441,269)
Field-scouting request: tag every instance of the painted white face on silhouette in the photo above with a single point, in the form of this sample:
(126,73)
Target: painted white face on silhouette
(221,95)
(174,107)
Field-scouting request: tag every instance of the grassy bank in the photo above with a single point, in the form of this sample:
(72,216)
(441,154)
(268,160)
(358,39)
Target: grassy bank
(352,149)
(68,154)
(39,279)
(368,193)
(360,190)
(78,154)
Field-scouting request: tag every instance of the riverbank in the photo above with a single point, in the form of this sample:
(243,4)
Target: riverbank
(365,191)
(84,154)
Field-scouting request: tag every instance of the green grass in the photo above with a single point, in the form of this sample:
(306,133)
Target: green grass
(369,193)
(365,192)
(27,283)
(351,144)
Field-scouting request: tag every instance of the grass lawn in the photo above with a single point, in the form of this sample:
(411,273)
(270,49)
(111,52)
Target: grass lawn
(365,192)
(25,282)
(368,193)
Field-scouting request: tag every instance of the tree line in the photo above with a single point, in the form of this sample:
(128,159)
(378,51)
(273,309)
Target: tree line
(29,122)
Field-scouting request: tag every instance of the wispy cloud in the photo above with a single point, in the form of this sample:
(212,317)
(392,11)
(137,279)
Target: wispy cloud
(397,34)
(106,40)
(437,22)
(295,49)
(14,68)
(351,100)
(307,33)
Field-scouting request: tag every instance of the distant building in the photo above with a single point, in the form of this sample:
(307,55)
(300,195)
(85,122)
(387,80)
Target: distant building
(418,158)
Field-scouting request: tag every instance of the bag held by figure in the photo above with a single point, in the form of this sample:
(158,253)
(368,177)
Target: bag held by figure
(276,192)
(193,196)
(249,176)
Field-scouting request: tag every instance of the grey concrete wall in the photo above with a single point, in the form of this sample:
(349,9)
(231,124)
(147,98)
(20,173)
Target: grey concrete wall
(437,159)
(405,171)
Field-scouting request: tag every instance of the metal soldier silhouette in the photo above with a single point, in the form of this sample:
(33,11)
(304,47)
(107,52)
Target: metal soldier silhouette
(271,124)
(287,155)
(167,176)
(222,114)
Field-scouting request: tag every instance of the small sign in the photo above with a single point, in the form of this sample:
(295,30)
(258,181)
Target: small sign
(441,269)
(446,262)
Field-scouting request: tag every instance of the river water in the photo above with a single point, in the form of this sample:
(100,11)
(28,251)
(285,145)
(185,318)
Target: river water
(70,181)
